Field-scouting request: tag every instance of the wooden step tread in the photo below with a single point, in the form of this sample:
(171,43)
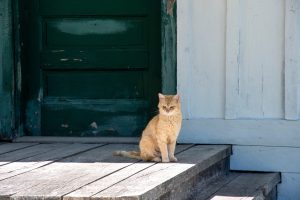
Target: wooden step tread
(89,171)
(238,186)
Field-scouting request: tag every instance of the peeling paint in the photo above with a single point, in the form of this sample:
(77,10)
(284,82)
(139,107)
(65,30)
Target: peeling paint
(94,125)
(170,7)
(90,27)
(57,51)
(33,116)
(65,125)
(77,59)
(40,96)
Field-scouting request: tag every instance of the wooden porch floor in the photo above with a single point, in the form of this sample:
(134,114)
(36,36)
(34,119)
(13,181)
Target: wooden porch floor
(89,171)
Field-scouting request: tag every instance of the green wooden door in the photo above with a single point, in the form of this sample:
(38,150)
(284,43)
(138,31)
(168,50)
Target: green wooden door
(93,67)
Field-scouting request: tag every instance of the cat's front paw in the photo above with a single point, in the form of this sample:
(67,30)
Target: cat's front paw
(173,159)
(156,159)
(165,160)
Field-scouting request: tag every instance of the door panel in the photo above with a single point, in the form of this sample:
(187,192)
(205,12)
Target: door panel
(93,66)
(115,32)
(94,118)
(94,84)
(95,59)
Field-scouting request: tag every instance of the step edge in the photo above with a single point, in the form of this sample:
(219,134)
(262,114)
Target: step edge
(193,171)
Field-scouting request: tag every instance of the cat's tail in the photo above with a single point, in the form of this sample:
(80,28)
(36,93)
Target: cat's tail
(128,154)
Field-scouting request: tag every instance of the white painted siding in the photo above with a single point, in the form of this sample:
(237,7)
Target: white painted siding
(261,59)
(239,79)
(202,58)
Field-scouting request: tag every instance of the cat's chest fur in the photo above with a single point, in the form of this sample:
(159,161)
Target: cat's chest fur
(168,127)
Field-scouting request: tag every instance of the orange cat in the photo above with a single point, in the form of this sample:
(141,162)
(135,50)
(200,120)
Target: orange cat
(159,137)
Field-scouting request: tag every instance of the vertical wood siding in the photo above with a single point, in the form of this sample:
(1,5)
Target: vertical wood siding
(231,59)
(239,78)
(201,57)
(292,60)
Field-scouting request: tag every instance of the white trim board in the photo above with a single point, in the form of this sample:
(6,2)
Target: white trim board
(289,188)
(261,158)
(292,60)
(241,132)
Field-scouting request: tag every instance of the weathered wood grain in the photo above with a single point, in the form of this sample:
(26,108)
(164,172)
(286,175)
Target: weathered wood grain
(168,49)
(26,152)
(9,147)
(25,180)
(250,58)
(200,193)
(34,162)
(156,180)
(89,140)
(60,178)
(91,189)
(292,61)
(249,186)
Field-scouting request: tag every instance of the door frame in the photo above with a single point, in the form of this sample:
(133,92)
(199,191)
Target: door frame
(168,62)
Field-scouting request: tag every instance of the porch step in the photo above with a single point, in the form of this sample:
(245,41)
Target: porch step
(90,171)
(237,186)
(33,171)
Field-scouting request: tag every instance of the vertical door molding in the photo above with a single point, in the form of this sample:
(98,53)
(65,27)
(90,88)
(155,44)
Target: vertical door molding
(6,71)
(168,46)
(232,59)
(292,60)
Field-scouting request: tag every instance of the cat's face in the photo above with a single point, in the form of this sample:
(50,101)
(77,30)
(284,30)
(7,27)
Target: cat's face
(169,104)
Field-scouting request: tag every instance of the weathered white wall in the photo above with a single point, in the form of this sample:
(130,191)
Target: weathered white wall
(239,79)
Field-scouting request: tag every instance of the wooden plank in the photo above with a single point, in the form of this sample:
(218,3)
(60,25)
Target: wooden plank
(9,147)
(201,56)
(31,163)
(289,187)
(262,158)
(26,153)
(13,185)
(157,179)
(292,60)
(168,48)
(90,140)
(184,56)
(104,183)
(201,193)
(249,186)
(60,178)
(261,59)
(232,59)
(250,90)
(241,132)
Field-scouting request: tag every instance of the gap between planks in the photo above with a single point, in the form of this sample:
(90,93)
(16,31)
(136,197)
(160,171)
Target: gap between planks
(43,159)
(10,147)
(83,140)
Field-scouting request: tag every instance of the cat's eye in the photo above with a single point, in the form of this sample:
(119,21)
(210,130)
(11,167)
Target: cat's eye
(172,107)
(164,107)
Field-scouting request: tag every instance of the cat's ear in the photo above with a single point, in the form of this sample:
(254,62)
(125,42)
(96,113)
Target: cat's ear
(176,98)
(161,96)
